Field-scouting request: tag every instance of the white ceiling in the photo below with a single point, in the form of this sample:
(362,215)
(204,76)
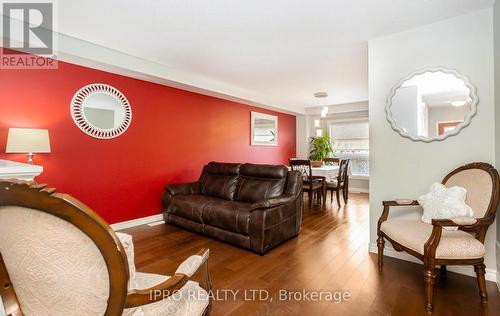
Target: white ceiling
(282,51)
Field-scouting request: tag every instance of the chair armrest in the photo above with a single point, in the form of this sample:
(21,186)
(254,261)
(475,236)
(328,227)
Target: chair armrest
(456,221)
(183,188)
(400,202)
(463,223)
(138,297)
(388,204)
(273,202)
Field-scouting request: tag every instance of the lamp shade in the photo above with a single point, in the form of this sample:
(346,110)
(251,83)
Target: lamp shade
(28,140)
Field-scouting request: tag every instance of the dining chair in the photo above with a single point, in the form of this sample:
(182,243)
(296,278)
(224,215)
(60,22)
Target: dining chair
(313,185)
(340,183)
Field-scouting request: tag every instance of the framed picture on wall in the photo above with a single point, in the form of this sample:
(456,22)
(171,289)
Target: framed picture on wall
(264,129)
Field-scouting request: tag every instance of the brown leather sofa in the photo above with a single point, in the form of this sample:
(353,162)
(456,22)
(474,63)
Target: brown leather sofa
(252,206)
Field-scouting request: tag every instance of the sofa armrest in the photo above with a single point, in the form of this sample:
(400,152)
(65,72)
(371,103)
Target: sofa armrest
(273,202)
(183,188)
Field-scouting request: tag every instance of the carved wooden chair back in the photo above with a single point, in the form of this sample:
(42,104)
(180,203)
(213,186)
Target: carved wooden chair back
(304,167)
(343,168)
(482,183)
(60,256)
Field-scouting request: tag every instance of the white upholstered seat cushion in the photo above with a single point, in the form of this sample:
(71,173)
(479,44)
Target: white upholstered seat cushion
(332,184)
(191,299)
(414,234)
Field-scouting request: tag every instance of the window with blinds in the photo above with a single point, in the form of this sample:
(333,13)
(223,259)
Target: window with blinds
(351,141)
(350,136)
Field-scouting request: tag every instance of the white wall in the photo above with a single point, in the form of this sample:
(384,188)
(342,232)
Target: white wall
(497,116)
(302,135)
(400,168)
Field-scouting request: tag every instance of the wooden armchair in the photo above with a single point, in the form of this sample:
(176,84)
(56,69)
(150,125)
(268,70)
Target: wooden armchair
(313,185)
(61,258)
(435,246)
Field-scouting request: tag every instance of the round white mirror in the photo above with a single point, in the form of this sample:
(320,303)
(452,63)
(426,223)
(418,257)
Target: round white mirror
(101,111)
(431,104)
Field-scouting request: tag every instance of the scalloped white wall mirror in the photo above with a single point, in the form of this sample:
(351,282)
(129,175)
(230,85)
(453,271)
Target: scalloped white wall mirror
(101,111)
(431,104)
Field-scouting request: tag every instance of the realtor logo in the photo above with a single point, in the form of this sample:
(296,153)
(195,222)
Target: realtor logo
(28,40)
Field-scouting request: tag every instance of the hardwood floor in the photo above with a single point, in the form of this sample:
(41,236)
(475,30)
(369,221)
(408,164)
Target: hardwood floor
(330,254)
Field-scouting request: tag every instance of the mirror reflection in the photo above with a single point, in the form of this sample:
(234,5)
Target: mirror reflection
(264,129)
(431,104)
(103,110)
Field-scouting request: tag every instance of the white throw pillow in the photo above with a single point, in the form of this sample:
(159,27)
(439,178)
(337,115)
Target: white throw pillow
(442,202)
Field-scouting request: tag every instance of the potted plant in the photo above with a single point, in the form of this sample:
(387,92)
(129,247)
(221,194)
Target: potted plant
(321,147)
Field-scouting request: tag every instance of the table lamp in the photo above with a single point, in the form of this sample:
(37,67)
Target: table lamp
(29,141)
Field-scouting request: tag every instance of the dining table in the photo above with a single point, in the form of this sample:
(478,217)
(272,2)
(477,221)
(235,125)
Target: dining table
(330,172)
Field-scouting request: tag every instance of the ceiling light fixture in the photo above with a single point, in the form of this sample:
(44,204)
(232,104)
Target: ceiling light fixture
(321,96)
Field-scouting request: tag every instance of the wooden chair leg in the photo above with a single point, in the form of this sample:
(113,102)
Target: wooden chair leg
(443,271)
(429,281)
(346,188)
(380,245)
(310,194)
(481,282)
(344,195)
(337,192)
(331,196)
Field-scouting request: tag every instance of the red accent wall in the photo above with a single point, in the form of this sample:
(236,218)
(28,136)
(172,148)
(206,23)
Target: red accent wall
(172,135)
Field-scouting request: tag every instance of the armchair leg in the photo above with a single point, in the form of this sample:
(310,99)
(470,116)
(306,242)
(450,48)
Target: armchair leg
(481,282)
(429,281)
(443,271)
(380,245)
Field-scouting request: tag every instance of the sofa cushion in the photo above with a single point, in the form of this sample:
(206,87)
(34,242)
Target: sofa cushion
(252,189)
(263,171)
(219,180)
(414,234)
(229,215)
(219,186)
(190,206)
(259,182)
(222,168)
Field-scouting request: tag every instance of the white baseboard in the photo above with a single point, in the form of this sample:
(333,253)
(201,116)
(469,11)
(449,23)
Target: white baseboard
(137,222)
(491,274)
(358,190)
